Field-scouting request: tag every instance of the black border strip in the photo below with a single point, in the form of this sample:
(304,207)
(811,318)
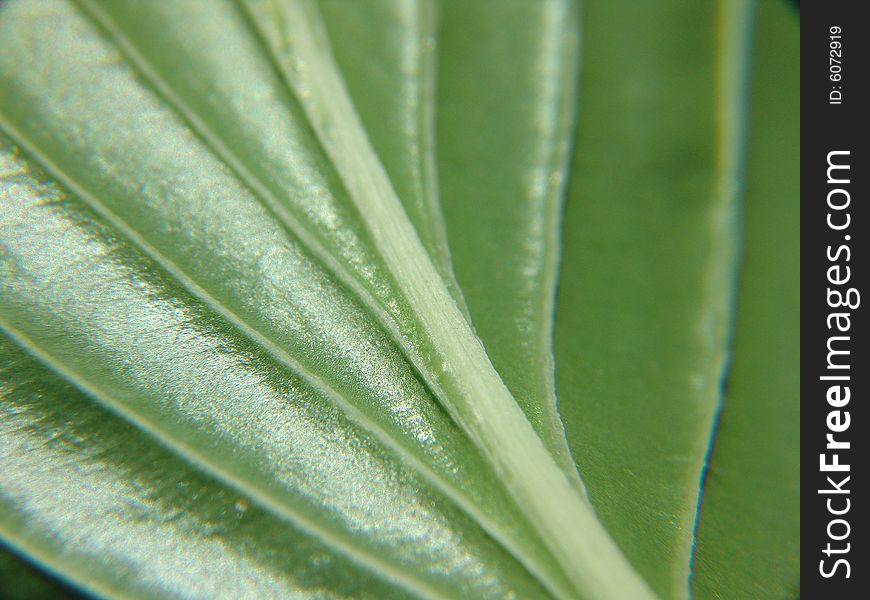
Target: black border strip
(834,263)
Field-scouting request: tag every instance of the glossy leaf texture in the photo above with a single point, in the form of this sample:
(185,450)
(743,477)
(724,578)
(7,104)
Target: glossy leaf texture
(155,180)
(95,500)
(749,528)
(221,402)
(240,358)
(189,246)
(647,271)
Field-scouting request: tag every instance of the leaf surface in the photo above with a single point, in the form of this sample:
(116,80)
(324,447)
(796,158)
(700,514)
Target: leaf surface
(749,528)
(97,502)
(175,200)
(221,402)
(647,272)
(198,236)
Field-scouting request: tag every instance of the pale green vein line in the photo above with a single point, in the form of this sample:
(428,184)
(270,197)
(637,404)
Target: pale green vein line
(282,357)
(361,556)
(566,90)
(341,164)
(437,228)
(732,89)
(733,53)
(153,79)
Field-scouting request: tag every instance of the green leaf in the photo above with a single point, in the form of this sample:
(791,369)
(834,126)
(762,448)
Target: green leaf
(509,62)
(113,323)
(647,268)
(234,355)
(198,236)
(749,529)
(166,364)
(440,342)
(94,499)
